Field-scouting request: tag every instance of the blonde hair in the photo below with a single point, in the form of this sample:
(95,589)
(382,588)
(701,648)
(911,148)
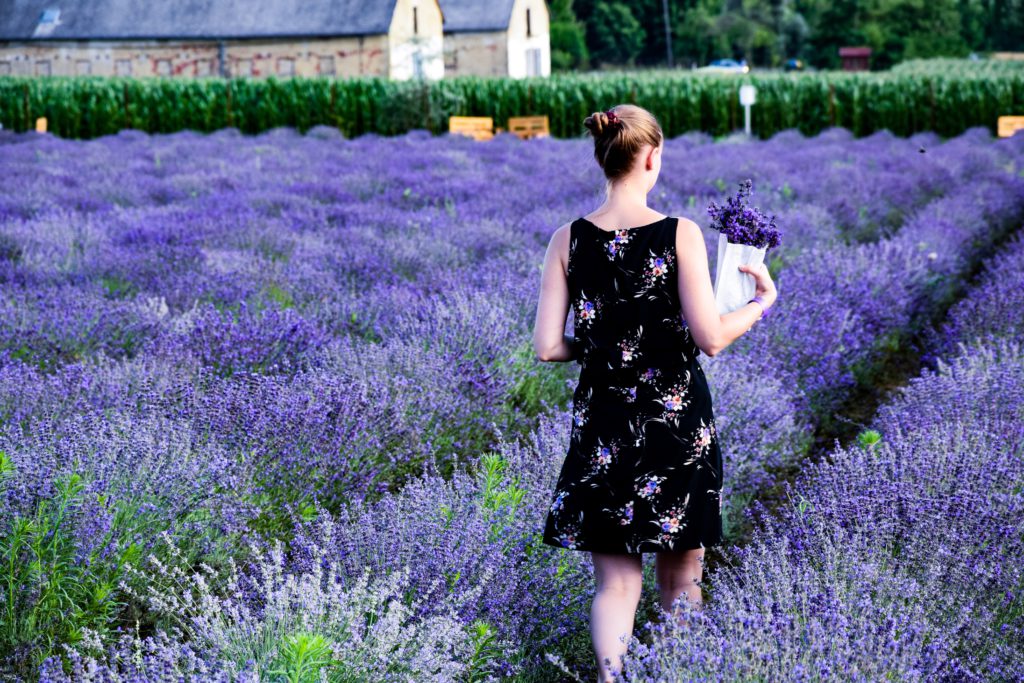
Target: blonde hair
(619,133)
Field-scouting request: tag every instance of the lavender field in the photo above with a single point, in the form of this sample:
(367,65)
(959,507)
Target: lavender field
(269,411)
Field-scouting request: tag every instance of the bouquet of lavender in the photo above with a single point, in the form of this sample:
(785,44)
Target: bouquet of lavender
(744,236)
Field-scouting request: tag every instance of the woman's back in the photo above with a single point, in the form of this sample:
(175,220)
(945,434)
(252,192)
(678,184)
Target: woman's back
(624,295)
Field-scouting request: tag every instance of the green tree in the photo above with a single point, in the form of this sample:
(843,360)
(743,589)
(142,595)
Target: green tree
(697,38)
(568,38)
(614,35)
(894,30)
(763,33)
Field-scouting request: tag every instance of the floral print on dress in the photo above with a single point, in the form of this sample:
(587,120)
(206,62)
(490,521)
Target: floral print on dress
(620,238)
(672,521)
(656,271)
(676,399)
(581,408)
(628,394)
(649,487)
(650,375)
(701,442)
(630,345)
(602,456)
(624,514)
(586,311)
(643,469)
(567,539)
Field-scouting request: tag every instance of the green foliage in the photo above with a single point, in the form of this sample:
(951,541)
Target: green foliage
(118,287)
(894,30)
(281,297)
(501,496)
(568,37)
(944,100)
(869,438)
(767,32)
(302,657)
(485,651)
(535,387)
(616,36)
(49,594)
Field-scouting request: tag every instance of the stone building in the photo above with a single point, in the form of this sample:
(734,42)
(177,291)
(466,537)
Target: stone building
(397,39)
(496,38)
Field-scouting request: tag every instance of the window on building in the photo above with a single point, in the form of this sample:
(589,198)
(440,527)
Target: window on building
(327,65)
(43,67)
(204,67)
(415,22)
(123,67)
(5,68)
(48,20)
(243,67)
(529,29)
(417,64)
(83,67)
(285,66)
(533,61)
(163,67)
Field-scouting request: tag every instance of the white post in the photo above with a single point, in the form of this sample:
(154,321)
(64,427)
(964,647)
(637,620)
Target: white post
(748,95)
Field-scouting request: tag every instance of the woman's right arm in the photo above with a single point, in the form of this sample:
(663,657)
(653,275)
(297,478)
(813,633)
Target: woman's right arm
(713,332)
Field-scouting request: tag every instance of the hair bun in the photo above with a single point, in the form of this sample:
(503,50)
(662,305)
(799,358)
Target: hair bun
(599,123)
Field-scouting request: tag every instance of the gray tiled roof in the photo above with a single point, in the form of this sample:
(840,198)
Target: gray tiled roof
(123,19)
(475,15)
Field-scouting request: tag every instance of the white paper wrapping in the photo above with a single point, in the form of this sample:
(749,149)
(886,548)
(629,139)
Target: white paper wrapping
(734,288)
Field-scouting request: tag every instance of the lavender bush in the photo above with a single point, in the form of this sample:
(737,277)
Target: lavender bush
(240,337)
(744,224)
(853,581)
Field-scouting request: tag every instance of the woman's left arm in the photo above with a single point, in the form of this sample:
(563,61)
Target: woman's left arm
(550,343)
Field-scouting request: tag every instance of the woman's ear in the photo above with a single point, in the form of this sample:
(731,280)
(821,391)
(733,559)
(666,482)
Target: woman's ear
(650,158)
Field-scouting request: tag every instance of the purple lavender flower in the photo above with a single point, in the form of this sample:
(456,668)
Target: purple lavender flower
(743,224)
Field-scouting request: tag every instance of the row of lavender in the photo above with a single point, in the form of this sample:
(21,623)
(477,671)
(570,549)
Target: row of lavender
(899,558)
(473,543)
(842,307)
(212,332)
(282,266)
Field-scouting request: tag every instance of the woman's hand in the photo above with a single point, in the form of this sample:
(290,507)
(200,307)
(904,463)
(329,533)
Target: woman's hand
(765,287)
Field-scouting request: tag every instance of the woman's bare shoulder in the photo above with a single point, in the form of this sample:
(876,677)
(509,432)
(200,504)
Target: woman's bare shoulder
(560,237)
(688,233)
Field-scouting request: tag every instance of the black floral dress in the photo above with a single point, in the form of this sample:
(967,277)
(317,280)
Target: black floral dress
(643,472)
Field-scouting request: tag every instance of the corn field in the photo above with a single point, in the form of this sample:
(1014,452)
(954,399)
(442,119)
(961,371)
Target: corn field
(945,100)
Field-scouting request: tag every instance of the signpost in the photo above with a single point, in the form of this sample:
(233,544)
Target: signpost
(748,95)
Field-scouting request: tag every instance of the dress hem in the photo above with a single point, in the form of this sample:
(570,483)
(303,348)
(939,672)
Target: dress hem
(619,550)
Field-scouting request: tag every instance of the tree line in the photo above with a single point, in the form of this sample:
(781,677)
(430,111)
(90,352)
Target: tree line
(630,33)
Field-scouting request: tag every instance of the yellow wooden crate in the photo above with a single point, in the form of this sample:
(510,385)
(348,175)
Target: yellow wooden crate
(529,126)
(476,127)
(1008,125)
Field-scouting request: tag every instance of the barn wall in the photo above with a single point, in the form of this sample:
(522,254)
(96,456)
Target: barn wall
(422,40)
(476,54)
(349,56)
(520,44)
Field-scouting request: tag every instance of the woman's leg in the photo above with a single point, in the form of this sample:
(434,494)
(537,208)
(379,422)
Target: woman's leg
(679,573)
(619,578)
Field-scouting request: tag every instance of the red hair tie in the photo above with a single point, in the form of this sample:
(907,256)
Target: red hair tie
(612,118)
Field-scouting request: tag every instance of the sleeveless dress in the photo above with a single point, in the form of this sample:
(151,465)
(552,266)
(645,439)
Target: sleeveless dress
(643,471)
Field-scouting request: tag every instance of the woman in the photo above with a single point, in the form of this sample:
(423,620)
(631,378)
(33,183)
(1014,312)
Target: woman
(643,472)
